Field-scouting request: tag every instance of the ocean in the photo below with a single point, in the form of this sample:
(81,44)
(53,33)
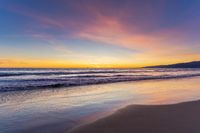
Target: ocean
(30,79)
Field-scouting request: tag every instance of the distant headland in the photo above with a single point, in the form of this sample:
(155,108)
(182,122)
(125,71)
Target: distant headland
(193,64)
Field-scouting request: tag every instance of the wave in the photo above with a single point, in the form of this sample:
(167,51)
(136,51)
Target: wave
(48,72)
(16,84)
(3,74)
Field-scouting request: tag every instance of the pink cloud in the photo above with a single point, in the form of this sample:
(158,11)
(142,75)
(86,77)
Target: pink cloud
(112,30)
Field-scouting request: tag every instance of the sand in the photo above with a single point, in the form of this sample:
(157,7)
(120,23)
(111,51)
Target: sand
(176,118)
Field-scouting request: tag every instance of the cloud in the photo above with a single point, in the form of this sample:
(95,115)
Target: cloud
(112,23)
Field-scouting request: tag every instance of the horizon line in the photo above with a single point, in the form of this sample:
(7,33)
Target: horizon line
(92,67)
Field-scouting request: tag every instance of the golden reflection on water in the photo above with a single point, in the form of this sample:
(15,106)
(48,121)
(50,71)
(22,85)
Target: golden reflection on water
(168,91)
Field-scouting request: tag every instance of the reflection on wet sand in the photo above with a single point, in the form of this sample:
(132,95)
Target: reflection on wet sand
(68,107)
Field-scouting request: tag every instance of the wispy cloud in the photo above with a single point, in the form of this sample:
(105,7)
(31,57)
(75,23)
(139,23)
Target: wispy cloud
(144,26)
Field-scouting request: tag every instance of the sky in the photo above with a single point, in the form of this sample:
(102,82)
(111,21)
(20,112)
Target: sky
(98,33)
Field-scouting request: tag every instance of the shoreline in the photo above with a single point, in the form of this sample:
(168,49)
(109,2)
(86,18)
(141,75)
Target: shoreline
(51,111)
(171,118)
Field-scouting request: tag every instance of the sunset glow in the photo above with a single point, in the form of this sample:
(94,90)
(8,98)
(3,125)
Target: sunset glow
(98,33)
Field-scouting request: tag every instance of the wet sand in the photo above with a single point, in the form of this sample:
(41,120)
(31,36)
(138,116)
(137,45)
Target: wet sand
(60,110)
(174,118)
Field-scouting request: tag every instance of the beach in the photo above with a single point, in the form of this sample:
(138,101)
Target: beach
(99,66)
(60,109)
(64,109)
(174,118)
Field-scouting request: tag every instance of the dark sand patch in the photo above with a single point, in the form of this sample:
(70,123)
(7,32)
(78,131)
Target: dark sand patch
(176,118)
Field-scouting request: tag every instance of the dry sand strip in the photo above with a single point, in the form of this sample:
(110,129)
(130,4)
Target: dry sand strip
(175,118)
